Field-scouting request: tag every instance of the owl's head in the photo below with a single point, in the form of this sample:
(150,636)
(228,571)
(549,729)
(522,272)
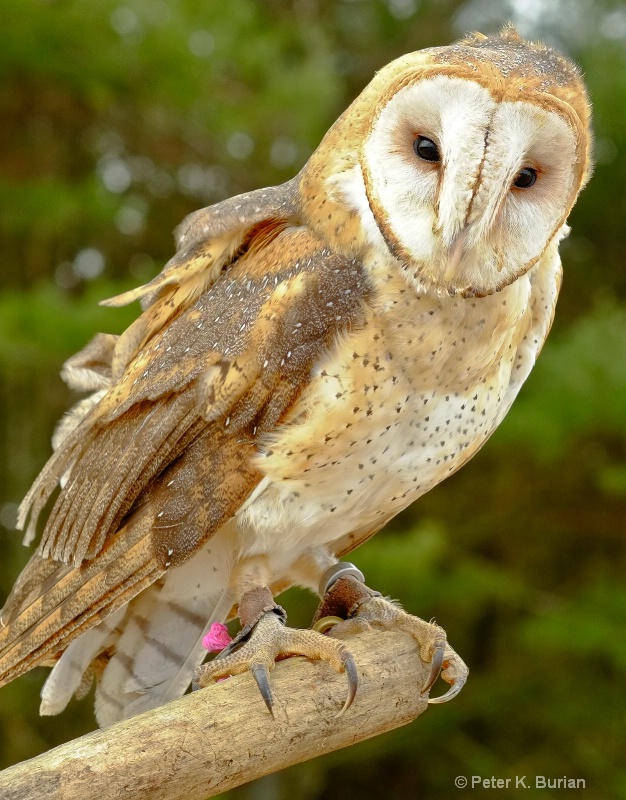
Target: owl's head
(466,159)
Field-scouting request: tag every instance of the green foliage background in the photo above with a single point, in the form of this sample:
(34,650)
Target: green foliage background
(122,116)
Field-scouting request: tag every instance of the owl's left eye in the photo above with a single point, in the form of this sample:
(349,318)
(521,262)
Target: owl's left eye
(525,178)
(426,149)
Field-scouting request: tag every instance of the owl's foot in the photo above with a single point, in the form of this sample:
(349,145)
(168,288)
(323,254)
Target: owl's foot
(345,595)
(264,639)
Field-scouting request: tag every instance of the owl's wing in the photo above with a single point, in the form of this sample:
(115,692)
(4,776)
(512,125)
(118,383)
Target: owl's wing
(207,242)
(167,455)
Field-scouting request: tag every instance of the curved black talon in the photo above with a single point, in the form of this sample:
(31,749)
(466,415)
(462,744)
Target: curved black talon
(323,625)
(435,668)
(454,689)
(262,678)
(349,666)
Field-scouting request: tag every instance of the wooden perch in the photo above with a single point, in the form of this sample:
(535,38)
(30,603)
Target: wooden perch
(222,736)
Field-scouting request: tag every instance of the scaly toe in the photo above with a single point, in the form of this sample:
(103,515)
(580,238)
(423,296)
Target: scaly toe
(431,639)
(270,640)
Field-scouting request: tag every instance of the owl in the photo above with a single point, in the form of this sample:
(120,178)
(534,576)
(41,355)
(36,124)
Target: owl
(315,357)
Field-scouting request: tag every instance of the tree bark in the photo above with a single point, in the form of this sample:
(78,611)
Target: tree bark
(222,736)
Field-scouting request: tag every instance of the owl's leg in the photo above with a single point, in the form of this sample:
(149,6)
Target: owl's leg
(264,638)
(345,596)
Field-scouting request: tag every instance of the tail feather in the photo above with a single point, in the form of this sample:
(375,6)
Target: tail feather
(161,642)
(153,644)
(67,675)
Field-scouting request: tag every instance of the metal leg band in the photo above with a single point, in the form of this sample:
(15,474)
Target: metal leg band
(336,571)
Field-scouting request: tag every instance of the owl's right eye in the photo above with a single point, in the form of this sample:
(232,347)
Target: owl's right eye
(426,149)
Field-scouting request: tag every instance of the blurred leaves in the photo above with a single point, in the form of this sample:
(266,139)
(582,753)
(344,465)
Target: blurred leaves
(45,323)
(121,117)
(593,625)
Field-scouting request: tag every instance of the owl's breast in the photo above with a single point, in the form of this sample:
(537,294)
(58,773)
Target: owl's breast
(392,410)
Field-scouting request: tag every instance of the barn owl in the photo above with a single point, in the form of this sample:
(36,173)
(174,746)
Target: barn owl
(314,358)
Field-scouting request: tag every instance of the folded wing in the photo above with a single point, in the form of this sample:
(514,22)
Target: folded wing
(166,455)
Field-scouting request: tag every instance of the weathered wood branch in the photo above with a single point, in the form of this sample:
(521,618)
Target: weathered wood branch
(223,736)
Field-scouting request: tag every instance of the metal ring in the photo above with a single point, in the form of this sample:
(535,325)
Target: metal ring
(339,570)
(326,623)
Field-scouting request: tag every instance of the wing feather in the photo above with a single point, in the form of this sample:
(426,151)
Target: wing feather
(74,599)
(208,241)
(114,467)
(167,455)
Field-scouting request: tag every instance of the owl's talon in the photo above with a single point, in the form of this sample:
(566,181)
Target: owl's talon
(435,669)
(349,666)
(452,692)
(453,671)
(262,678)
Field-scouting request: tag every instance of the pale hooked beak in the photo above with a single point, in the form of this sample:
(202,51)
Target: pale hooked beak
(455,255)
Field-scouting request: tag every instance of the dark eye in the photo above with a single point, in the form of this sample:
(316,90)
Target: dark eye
(426,149)
(525,178)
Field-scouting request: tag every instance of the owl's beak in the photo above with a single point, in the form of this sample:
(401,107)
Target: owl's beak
(455,254)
